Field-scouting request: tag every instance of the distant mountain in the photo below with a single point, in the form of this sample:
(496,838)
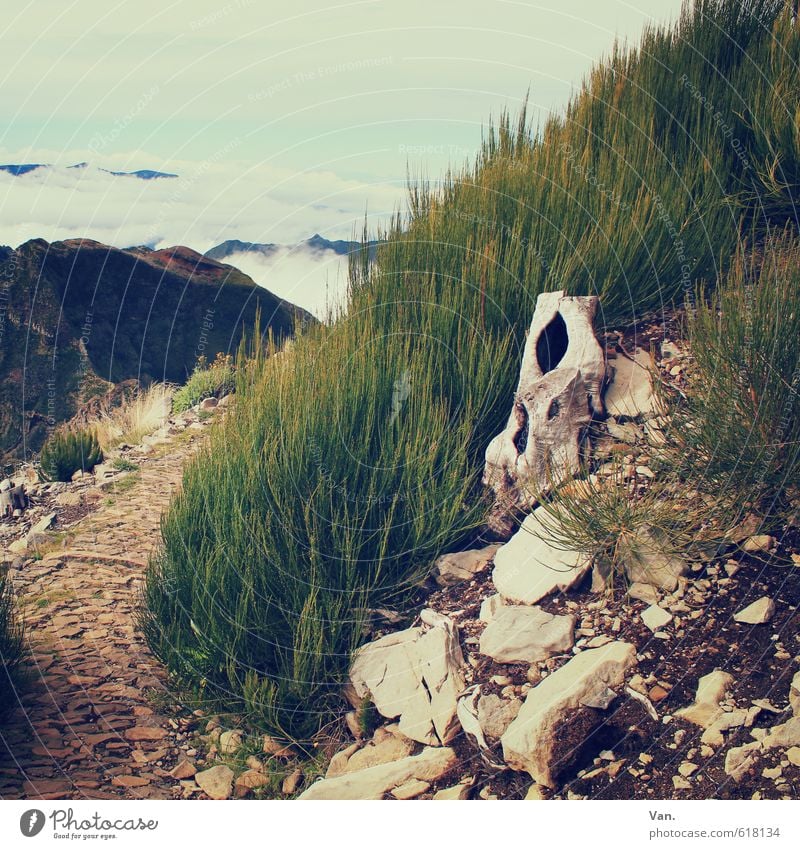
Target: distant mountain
(78,316)
(316,244)
(141,174)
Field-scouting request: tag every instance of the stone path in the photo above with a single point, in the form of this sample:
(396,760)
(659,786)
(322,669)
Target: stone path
(88,725)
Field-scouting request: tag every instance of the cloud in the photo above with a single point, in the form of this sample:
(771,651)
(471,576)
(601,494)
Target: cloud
(211,201)
(315,280)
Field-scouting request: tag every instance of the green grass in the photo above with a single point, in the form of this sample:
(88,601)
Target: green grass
(206,381)
(350,463)
(739,428)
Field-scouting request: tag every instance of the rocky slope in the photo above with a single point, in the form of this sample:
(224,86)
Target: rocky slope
(78,316)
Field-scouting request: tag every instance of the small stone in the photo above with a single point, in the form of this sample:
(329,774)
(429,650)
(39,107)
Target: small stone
(292,782)
(271,746)
(217,782)
(680,783)
(655,617)
(230,742)
(687,769)
(536,792)
(657,693)
(184,769)
(490,606)
(757,613)
(141,733)
(758,543)
(793,755)
(250,780)
(775,772)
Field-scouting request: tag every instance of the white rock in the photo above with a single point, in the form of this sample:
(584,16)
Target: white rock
(460,566)
(630,392)
(457,792)
(529,567)
(415,675)
(794,694)
(490,606)
(740,760)
(521,634)
(230,742)
(529,742)
(496,714)
(375,782)
(757,613)
(711,690)
(655,617)
(783,736)
(386,746)
(647,560)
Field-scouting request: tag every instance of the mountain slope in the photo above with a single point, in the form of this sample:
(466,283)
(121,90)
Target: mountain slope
(316,244)
(78,315)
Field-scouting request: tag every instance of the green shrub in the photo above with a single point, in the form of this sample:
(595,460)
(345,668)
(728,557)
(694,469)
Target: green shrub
(11,645)
(68,451)
(206,381)
(740,424)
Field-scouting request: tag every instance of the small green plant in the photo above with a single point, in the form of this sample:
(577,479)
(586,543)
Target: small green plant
(68,451)
(367,717)
(11,643)
(206,381)
(123,465)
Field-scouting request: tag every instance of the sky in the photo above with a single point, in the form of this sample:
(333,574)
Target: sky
(281,120)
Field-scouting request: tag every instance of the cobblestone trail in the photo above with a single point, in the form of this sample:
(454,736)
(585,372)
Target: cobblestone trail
(87,725)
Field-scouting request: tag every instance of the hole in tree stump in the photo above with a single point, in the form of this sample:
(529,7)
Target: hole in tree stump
(552,344)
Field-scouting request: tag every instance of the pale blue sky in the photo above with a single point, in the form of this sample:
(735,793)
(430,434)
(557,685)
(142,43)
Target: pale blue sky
(282,118)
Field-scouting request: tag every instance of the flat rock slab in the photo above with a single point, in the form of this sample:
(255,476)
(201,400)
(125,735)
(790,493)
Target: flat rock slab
(377,781)
(461,566)
(630,393)
(529,743)
(521,634)
(530,565)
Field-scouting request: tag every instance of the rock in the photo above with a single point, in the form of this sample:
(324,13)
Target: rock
(794,694)
(250,779)
(530,742)
(271,746)
(183,769)
(793,755)
(757,613)
(560,383)
(490,606)
(644,592)
(230,742)
(758,544)
(710,692)
(646,559)
(458,791)
(740,760)
(600,700)
(216,783)
(292,782)
(430,765)
(528,567)
(655,617)
(687,769)
(712,736)
(208,403)
(384,748)
(680,783)
(519,634)
(411,789)
(338,763)
(142,733)
(783,736)
(414,675)
(629,432)
(496,714)
(460,566)
(630,393)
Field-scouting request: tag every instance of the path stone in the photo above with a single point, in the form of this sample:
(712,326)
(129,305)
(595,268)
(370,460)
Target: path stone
(521,634)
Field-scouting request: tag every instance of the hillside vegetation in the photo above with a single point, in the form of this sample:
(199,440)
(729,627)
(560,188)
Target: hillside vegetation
(348,464)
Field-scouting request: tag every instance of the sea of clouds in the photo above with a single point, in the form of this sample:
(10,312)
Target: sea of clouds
(208,203)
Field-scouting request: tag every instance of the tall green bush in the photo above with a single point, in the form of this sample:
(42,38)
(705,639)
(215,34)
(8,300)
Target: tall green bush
(68,451)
